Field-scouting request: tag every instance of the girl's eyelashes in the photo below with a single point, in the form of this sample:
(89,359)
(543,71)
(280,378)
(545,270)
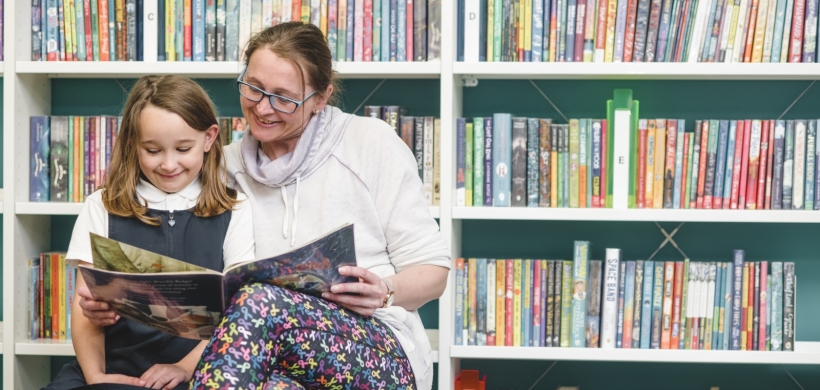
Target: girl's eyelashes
(152,151)
(183,150)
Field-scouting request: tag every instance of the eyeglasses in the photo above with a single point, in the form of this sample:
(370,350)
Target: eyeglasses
(278,102)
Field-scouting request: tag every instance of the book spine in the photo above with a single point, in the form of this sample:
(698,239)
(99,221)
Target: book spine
(533,170)
(817,168)
(760,198)
(629,310)
(657,305)
(756,315)
(536,302)
(754,165)
(489,194)
(761,338)
(428,159)
(545,160)
(40,159)
(566,304)
(789,299)
(619,325)
(472,306)
(799,183)
(660,158)
(788,165)
(679,173)
(500,300)
(720,164)
(610,296)
(669,173)
(519,162)
(637,304)
(58,158)
(730,165)
(502,175)
(580,279)
(811,140)
(459,304)
(642,146)
(508,302)
(477,162)
(685,305)
(461,128)
(629,38)
(677,296)
(646,306)
(481,302)
(668,292)
(796,43)
(777,306)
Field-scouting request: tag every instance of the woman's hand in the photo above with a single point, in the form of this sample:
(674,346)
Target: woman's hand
(164,376)
(363,297)
(98,313)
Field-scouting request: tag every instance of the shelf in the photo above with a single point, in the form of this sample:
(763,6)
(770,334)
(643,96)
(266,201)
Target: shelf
(47,208)
(660,215)
(65,348)
(44,347)
(81,69)
(805,353)
(639,70)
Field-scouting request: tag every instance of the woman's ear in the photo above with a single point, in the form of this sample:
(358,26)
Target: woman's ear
(210,136)
(320,105)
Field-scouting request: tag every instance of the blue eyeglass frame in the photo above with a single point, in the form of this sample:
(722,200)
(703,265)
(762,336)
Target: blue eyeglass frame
(271,95)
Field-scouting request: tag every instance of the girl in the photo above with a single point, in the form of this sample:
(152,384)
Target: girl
(165,193)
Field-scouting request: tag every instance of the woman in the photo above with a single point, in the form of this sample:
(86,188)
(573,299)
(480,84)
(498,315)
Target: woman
(340,168)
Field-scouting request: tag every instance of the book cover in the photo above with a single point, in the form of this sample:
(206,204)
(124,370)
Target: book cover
(500,302)
(458,338)
(720,168)
(811,144)
(188,301)
(574,162)
(798,181)
(668,292)
(461,130)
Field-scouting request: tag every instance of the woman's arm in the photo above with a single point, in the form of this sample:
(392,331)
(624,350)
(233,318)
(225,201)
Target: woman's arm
(91,351)
(169,376)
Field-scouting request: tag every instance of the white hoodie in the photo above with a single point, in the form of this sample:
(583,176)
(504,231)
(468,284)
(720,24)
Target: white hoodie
(344,169)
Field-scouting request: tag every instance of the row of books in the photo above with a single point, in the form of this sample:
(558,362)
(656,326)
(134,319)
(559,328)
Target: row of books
(638,30)
(356,30)
(50,294)
(87,30)
(217,30)
(70,154)
(746,306)
(422,134)
(721,164)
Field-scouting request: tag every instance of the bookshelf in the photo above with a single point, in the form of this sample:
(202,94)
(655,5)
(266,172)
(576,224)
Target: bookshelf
(27,225)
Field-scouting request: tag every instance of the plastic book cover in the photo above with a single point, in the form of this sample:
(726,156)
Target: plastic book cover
(187,300)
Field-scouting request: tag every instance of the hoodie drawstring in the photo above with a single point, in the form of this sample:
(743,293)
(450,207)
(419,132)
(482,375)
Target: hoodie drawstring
(284,193)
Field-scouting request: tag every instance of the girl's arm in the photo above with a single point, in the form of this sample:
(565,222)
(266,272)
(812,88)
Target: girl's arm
(169,376)
(91,351)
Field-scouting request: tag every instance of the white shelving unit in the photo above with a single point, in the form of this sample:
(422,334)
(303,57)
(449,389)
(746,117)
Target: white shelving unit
(27,226)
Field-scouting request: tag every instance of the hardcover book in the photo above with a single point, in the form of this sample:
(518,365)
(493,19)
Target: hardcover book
(186,300)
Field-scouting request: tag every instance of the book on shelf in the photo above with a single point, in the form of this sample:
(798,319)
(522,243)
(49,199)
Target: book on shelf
(51,288)
(637,31)
(719,164)
(187,300)
(217,30)
(737,305)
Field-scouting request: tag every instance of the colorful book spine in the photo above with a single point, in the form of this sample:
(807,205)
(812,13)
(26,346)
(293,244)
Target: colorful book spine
(777,306)
(646,306)
(459,336)
(737,301)
(811,144)
(657,305)
(580,278)
(481,302)
(629,298)
(468,164)
(545,163)
(478,162)
(533,169)
(668,292)
(677,296)
(40,159)
(619,326)
(637,304)
(609,316)
(502,158)
(566,304)
(789,298)
(720,164)
(489,166)
(593,305)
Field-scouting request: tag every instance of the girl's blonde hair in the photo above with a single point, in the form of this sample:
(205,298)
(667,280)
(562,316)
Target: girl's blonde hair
(181,96)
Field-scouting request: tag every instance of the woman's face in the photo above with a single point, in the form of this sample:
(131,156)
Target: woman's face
(273,74)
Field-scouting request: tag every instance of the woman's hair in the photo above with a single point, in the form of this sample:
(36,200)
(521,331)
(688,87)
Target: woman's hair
(181,96)
(305,46)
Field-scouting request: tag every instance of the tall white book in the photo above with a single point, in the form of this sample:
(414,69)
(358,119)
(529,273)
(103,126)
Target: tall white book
(472,28)
(610,299)
(799,180)
(620,159)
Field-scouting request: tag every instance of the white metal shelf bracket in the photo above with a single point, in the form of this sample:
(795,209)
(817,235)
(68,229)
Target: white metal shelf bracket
(470,80)
(792,376)
(368,96)
(548,100)
(797,99)
(668,240)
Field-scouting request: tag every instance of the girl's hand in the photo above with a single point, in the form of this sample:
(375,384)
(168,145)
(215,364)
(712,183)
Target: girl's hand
(114,378)
(164,376)
(98,313)
(363,297)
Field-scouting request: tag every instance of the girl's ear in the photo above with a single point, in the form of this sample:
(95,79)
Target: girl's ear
(210,136)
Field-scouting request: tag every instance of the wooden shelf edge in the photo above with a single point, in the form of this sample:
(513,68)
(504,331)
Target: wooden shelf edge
(47,208)
(639,70)
(661,215)
(222,69)
(805,353)
(44,347)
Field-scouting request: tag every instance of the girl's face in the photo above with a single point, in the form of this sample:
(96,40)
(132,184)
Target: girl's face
(273,74)
(171,153)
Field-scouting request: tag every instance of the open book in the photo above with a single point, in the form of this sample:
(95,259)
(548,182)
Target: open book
(187,300)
